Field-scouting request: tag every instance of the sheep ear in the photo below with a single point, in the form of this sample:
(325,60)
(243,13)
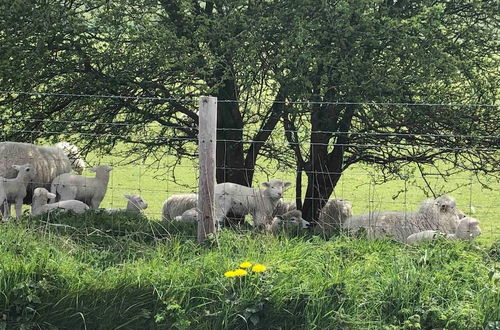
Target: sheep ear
(109,168)
(266,184)
(16,167)
(92,169)
(51,195)
(286,184)
(127,196)
(474,222)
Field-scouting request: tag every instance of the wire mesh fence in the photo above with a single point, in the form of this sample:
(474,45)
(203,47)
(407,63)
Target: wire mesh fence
(377,169)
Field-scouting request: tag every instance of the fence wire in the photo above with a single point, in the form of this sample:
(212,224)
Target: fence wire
(161,173)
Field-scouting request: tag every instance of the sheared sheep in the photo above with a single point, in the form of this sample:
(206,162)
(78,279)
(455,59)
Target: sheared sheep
(40,206)
(468,229)
(74,155)
(334,213)
(176,205)
(91,191)
(439,214)
(47,163)
(13,191)
(135,204)
(260,203)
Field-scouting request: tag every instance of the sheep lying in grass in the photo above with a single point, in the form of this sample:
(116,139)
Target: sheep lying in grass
(260,203)
(291,218)
(190,215)
(91,191)
(439,214)
(334,213)
(40,206)
(14,190)
(47,163)
(468,229)
(176,205)
(74,155)
(135,204)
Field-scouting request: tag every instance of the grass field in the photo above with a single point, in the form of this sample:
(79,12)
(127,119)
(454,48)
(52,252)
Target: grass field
(124,271)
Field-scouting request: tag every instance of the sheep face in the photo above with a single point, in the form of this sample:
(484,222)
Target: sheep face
(25,170)
(43,193)
(275,188)
(468,228)
(445,204)
(136,201)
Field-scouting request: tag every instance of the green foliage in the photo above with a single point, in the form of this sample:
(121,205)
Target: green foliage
(128,272)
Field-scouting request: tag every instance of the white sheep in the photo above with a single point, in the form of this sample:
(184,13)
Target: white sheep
(91,191)
(135,204)
(468,228)
(293,217)
(190,215)
(40,206)
(176,205)
(439,214)
(260,203)
(334,213)
(14,190)
(47,163)
(74,155)
(283,207)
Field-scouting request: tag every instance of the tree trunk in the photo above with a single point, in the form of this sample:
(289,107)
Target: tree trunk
(325,169)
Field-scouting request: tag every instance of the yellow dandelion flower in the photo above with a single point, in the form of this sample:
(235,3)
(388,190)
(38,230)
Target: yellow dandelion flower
(246,264)
(230,274)
(258,268)
(240,272)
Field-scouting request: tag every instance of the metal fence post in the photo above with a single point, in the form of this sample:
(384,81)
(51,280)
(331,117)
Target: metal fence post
(207,138)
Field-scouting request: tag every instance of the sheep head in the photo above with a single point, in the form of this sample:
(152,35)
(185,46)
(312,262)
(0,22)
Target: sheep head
(275,188)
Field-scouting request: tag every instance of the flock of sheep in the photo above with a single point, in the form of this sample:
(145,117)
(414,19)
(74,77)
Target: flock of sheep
(40,176)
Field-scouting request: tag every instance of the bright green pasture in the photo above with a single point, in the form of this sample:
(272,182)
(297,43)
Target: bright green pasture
(477,196)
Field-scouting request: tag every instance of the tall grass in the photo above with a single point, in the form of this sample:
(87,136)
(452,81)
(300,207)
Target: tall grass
(126,272)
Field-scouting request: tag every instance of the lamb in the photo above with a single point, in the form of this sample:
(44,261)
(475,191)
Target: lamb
(176,205)
(468,228)
(91,191)
(334,213)
(74,155)
(293,217)
(135,204)
(438,214)
(47,163)
(260,203)
(14,190)
(40,206)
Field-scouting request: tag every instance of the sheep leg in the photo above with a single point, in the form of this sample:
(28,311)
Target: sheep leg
(95,202)
(19,208)
(5,209)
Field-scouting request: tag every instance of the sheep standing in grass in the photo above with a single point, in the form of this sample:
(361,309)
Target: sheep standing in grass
(439,214)
(40,206)
(47,163)
(467,229)
(135,204)
(91,191)
(74,155)
(176,205)
(13,191)
(260,203)
(334,213)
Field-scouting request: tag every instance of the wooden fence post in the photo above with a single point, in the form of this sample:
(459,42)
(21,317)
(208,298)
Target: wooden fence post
(207,138)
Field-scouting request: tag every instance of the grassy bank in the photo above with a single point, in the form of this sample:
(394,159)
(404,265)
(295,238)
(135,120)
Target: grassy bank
(109,272)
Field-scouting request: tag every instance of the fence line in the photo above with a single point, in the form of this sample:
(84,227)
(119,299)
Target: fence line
(194,99)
